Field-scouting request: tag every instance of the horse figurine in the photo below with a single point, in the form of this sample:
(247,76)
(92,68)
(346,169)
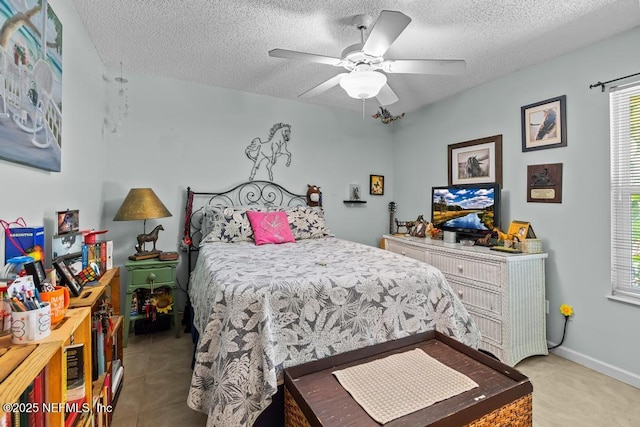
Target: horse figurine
(259,151)
(149,237)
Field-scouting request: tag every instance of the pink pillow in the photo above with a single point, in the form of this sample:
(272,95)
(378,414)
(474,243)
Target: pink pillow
(270,227)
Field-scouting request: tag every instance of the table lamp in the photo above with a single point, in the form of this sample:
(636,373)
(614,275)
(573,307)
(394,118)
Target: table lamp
(142,203)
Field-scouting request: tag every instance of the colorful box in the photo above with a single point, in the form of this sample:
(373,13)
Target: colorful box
(19,241)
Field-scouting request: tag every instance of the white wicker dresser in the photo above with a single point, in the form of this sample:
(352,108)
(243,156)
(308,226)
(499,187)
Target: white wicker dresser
(503,292)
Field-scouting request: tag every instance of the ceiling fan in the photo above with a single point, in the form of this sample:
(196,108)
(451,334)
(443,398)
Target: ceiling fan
(364,61)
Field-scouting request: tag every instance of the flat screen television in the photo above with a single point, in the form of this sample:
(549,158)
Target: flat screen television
(470,210)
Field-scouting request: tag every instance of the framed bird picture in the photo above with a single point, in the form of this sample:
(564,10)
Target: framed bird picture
(544,124)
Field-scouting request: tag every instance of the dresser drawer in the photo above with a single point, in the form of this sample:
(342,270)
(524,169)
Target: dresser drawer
(144,276)
(476,297)
(487,272)
(406,250)
(491,329)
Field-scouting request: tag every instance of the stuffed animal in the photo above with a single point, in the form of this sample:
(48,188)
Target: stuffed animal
(314,195)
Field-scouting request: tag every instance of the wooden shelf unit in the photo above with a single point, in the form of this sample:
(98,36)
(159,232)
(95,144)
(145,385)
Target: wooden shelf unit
(109,285)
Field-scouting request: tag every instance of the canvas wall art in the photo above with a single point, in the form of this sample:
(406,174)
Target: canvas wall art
(30,84)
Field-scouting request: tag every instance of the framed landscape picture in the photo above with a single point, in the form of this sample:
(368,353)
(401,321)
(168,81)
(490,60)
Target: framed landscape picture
(544,124)
(476,162)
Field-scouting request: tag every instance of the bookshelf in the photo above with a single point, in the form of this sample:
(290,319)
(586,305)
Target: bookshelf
(91,296)
(46,355)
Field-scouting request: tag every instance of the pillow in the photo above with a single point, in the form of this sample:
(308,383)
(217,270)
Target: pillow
(228,224)
(307,222)
(270,227)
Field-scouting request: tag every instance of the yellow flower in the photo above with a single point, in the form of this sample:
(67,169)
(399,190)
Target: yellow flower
(566,310)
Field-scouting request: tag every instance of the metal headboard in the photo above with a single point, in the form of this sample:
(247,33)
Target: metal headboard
(259,193)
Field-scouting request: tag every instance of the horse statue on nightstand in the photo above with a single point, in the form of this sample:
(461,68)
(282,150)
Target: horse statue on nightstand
(149,237)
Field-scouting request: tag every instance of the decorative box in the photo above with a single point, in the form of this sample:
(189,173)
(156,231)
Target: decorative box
(314,397)
(531,246)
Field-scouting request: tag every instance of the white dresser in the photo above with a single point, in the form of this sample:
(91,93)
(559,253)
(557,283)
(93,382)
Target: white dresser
(503,292)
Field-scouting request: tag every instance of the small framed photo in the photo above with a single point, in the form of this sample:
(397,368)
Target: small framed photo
(36,270)
(354,192)
(68,221)
(66,277)
(520,229)
(376,185)
(67,245)
(544,124)
(476,162)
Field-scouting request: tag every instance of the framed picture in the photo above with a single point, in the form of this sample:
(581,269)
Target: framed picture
(520,229)
(354,192)
(36,270)
(66,245)
(66,277)
(476,162)
(68,221)
(544,124)
(376,185)
(544,183)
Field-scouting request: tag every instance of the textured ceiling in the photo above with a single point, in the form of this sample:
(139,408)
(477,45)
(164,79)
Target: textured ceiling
(225,43)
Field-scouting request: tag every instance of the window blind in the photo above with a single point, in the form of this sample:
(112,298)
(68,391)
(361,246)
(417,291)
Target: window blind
(625,190)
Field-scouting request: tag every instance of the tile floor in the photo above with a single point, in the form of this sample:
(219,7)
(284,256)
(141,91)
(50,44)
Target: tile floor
(158,372)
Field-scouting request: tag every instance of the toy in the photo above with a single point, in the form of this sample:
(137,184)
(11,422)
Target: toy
(314,195)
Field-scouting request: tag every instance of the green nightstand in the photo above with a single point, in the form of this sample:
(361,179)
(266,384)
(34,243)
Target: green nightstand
(150,274)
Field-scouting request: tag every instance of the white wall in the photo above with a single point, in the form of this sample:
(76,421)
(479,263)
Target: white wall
(602,334)
(181,134)
(35,194)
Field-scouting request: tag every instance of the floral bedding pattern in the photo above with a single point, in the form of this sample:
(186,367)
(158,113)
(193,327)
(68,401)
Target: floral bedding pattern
(260,309)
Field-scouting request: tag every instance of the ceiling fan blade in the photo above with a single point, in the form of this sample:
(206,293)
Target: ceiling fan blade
(386,96)
(385,31)
(425,66)
(324,86)
(302,56)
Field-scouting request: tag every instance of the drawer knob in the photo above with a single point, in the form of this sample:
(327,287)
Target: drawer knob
(460,268)
(460,294)
(403,253)
(151,277)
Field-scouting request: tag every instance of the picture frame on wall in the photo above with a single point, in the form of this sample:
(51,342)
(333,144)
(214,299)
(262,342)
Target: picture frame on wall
(544,183)
(544,124)
(476,162)
(376,185)
(68,221)
(66,277)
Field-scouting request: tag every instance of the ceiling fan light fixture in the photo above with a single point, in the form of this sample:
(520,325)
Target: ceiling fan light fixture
(363,84)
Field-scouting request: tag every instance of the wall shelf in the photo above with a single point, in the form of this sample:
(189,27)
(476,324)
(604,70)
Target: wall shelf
(358,202)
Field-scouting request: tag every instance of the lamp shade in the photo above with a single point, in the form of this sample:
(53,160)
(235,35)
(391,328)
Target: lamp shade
(363,84)
(141,203)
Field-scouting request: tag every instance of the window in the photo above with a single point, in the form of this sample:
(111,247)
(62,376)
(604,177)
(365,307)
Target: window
(625,191)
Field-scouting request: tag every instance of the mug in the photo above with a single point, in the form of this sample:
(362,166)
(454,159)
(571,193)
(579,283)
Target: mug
(59,300)
(31,325)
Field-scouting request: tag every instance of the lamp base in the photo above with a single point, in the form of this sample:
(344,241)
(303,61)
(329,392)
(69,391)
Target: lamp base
(145,255)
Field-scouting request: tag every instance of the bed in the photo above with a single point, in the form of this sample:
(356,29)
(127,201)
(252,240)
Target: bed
(261,308)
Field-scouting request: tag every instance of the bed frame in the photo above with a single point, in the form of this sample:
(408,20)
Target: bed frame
(258,193)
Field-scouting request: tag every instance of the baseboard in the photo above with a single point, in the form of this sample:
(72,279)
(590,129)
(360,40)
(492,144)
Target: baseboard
(598,365)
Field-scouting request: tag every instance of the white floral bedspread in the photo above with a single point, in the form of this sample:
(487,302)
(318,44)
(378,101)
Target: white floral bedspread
(260,309)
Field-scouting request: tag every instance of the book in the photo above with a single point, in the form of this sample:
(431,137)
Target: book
(75,396)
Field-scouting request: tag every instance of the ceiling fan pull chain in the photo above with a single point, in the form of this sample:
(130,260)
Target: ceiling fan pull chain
(362,108)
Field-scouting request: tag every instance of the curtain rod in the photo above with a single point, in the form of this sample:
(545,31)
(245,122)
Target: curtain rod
(611,81)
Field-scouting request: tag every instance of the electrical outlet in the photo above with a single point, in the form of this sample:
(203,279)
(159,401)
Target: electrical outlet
(546,306)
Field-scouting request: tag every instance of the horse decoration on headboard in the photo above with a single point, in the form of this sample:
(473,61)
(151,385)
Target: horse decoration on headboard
(259,151)
(149,237)
(314,195)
